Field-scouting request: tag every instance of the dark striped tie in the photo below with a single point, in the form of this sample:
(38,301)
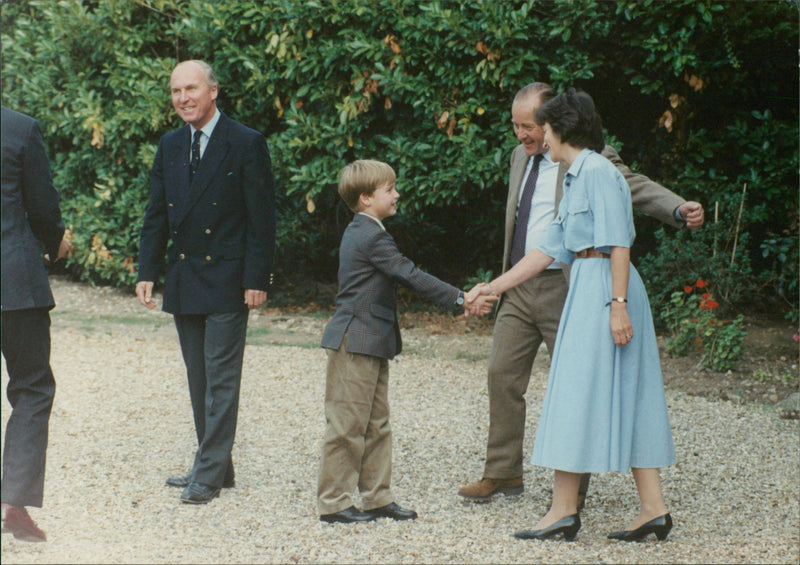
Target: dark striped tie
(524,213)
(196,151)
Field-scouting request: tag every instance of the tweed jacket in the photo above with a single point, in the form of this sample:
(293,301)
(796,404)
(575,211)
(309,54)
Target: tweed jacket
(647,196)
(220,225)
(370,268)
(31,217)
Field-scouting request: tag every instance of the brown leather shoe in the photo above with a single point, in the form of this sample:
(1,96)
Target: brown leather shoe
(485,489)
(17,521)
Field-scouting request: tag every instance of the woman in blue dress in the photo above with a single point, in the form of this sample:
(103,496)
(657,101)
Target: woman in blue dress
(604,409)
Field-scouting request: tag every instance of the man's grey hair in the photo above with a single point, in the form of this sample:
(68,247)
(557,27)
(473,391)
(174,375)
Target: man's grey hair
(211,77)
(541,89)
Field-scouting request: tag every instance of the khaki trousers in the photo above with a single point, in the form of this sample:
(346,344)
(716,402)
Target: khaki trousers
(357,452)
(528,315)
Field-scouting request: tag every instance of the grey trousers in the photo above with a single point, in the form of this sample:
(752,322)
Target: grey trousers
(31,388)
(213,352)
(357,451)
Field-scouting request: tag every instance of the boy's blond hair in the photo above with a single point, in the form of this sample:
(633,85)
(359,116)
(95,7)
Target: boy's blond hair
(363,177)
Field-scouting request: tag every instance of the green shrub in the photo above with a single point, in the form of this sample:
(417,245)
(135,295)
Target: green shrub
(427,87)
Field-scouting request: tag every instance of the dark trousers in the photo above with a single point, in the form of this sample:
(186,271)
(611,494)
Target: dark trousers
(213,351)
(25,336)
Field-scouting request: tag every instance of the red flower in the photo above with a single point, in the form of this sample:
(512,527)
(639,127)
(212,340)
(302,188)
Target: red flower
(708,304)
(687,289)
(700,283)
(706,295)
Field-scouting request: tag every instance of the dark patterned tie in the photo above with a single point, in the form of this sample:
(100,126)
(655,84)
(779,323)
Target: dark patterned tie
(196,151)
(524,213)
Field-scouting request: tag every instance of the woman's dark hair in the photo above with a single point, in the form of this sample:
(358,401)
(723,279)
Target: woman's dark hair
(573,118)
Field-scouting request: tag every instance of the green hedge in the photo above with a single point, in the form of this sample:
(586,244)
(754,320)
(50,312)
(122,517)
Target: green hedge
(427,87)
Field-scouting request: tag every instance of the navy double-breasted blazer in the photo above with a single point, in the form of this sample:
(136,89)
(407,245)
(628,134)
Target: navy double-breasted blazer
(220,225)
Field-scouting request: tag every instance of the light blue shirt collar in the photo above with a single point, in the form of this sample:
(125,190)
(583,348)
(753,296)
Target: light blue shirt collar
(207,130)
(576,165)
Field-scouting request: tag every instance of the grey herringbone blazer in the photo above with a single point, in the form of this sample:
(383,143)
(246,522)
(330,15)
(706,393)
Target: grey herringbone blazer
(370,268)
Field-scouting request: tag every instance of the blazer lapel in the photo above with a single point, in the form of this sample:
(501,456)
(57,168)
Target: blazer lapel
(515,175)
(213,157)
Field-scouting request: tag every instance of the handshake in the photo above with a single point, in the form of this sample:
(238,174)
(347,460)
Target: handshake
(480,300)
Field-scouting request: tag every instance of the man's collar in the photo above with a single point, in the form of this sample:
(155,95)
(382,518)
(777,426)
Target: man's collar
(208,129)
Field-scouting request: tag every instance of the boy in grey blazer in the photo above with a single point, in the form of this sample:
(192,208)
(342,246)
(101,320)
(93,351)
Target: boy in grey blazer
(361,337)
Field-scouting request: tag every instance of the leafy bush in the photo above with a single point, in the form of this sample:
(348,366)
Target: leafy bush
(694,327)
(427,87)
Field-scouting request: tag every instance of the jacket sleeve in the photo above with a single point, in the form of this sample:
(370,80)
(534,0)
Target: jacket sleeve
(259,190)
(647,196)
(155,229)
(387,258)
(40,196)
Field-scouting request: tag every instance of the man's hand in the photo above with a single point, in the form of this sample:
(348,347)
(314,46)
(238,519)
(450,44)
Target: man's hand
(482,305)
(65,249)
(478,290)
(692,214)
(144,292)
(254,298)
(479,300)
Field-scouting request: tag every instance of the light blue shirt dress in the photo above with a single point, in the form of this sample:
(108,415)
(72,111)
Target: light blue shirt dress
(605,408)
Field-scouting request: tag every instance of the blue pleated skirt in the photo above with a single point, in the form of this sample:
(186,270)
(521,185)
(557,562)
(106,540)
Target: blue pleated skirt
(604,409)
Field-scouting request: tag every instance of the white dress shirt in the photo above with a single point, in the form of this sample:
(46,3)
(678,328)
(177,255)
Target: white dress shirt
(543,206)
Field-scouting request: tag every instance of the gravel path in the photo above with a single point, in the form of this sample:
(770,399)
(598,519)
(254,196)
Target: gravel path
(122,422)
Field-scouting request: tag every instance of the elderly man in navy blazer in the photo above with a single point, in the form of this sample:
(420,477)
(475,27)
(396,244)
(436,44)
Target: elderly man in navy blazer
(31,220)
(212,200)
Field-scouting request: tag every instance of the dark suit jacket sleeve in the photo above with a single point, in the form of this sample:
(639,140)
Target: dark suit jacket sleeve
(387,258)
(40,196)
(155,229)
(647,195)
(259,191)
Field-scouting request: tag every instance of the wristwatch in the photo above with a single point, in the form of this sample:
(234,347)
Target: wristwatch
(460,298)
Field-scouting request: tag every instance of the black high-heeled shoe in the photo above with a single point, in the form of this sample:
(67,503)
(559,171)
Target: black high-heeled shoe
(659,526)
(568,526)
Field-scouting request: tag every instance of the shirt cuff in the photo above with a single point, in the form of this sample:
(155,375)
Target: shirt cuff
(676,213)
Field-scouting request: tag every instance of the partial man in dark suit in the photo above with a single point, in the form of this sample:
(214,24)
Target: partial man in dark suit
(212,200)
(31,218)
(530,313)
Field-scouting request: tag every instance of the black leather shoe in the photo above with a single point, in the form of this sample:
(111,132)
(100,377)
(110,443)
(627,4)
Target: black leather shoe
(347,516)
(179,481)
(394,512)
(184,481)
(568,526)
(198,493)
(659,526)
